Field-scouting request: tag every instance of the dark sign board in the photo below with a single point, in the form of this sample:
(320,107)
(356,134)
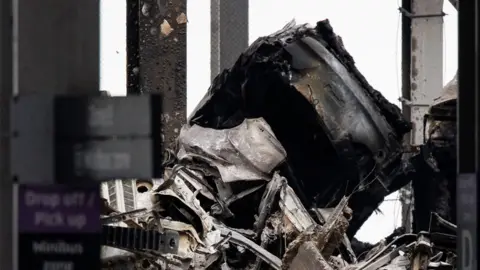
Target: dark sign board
(467,220)
(59,227)
(109,159)
(68,138)
(88,116)
(129,116)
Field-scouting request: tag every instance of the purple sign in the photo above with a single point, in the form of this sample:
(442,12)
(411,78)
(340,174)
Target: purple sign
(58,209)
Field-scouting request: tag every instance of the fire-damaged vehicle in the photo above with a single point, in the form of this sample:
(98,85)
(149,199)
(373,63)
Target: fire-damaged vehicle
(287,155)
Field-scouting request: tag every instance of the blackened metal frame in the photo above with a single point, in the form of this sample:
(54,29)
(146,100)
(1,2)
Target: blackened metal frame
(468,135)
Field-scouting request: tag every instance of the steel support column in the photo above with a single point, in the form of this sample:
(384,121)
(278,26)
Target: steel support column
(133,47)
(406,195)
(6,190)
(55,51)
(229,33)
(426,71)
(162,58)
(468,135)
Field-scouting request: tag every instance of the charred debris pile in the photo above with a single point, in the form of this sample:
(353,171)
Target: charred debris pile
(284,159)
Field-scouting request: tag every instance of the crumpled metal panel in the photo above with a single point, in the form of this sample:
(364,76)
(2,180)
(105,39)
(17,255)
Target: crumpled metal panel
(248,151)
(323,112)
(345,108)
(296,116)
(185,197)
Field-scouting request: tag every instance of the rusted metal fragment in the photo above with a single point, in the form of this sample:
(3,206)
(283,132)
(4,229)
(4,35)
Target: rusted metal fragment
(421,253)
(239,239)
(188,240)
(326,237)
(331,234)
(271,233)
(309,258)
(293,247)
(268,199)
(295,213)
(323,214)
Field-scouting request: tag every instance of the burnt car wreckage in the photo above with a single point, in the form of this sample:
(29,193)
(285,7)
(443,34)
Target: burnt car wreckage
(284,159)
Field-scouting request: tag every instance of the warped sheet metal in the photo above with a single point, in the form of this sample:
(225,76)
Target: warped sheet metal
(248,151)
(323,112)
(287,155)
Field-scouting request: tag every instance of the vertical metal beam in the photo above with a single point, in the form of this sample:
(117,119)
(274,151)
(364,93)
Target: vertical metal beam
(55,51)
(6,190)
(163,59)
(466,88)
(406,195)
(468,135)
(426,61)
(229,33)
(133,47)
(426,71)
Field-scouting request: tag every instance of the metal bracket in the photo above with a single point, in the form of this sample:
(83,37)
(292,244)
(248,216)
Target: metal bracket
(410,15)
(140,240)
(410,103)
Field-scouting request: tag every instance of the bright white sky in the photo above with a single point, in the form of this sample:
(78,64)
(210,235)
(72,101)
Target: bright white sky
(370,30)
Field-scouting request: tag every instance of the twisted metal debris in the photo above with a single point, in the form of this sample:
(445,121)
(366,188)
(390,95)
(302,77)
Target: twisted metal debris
(287,155)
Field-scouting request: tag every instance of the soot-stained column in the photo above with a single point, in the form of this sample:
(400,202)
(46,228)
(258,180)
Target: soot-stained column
(229,33)
(161,62)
